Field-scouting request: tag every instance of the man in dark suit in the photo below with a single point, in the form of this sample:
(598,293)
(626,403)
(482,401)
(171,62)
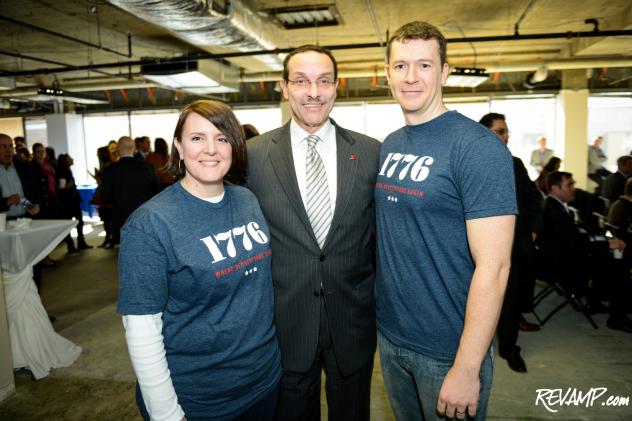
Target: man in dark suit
(314,181)
(519,292)
(613,185)
(127,184)
(575,257)
(143,146)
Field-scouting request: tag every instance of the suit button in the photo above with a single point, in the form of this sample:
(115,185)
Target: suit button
(322,258)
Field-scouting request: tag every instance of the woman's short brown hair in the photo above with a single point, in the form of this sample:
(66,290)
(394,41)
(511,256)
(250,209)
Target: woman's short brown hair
(222,117)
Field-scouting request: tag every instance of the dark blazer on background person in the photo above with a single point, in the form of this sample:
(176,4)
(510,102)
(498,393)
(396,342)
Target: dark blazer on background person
(127,184)
(344,266)
(612,186)
(29,182)
(529,218)
(564,246)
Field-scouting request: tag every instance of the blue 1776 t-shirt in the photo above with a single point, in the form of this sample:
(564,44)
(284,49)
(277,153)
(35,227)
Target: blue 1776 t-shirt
(433,177)
(207,268)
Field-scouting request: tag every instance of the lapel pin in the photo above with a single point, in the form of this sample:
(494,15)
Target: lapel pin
(352,157)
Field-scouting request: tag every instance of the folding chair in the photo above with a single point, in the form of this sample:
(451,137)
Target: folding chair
(550,275)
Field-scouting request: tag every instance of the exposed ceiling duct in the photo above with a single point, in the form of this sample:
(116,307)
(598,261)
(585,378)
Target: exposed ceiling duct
(230,25)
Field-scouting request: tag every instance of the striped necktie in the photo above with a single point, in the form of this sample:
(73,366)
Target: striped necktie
(318,207)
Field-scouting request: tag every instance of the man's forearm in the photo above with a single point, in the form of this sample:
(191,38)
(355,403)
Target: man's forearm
(484,302)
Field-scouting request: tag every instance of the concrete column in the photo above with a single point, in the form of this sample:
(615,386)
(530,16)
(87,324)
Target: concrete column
(572,125)
(65,134)
(7,382)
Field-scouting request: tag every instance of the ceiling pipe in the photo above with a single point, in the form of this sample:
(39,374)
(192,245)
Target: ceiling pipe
(42,60)
(83,87)
(523,66)
(66,37)
(521,18)
(206,56)
(203,24)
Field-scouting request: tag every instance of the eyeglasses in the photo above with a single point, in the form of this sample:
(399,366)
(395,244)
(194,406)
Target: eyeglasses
(304,84)
(501,131)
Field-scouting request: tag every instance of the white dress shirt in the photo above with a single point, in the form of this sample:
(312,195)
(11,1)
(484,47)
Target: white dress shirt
(10,184)
(326,148)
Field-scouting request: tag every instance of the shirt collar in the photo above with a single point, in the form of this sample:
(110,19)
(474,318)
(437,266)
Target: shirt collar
(298,134)
(9,167)
(561,203)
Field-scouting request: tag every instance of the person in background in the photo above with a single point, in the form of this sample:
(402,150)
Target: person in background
(551,166)
(620,215)
(112,147)
(198,307)
(583,265)
(105,210)
(541,155)
(127,184)
(70,201)
(143,147)
(19,142)
(20,194)
(613,185)
(51,157)
(521,283)
(23,154)
(19,190)
(47,182)
(249,131)
(445,205)
(159,159)
(596,159)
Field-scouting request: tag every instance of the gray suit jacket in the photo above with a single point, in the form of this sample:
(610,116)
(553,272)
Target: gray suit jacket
(345,266)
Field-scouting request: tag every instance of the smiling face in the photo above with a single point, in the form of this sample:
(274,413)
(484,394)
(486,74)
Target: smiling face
(207,156)
(311,105)
(415,75)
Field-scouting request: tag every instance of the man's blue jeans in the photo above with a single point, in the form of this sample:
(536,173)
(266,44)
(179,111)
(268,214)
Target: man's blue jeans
(413,382)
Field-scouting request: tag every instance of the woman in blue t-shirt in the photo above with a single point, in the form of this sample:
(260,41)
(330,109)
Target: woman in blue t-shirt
(196,284)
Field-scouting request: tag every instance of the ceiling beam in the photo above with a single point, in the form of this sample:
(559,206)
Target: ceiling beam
(208,56)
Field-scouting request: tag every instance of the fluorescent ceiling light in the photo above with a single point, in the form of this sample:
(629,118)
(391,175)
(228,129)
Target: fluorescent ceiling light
(56,95)
(308,16)
(466,77)
(196,77)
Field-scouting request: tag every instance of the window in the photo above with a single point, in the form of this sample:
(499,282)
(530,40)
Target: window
(611,118)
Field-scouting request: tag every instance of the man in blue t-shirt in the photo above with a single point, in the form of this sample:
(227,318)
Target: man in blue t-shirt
(445,206)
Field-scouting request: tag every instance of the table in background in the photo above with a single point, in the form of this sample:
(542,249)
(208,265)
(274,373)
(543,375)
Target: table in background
(34,343)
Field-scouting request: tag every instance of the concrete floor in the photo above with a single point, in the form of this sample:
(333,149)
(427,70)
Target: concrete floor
(566,354)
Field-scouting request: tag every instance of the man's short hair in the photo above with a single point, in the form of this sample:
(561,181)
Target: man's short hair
(556,178)
(488,119)
(418,30)
(623,160)
(304,49)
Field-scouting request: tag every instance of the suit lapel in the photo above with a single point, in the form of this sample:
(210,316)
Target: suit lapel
(347,168)
(282,162)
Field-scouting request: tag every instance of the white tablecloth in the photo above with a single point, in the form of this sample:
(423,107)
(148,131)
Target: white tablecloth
(34,343)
